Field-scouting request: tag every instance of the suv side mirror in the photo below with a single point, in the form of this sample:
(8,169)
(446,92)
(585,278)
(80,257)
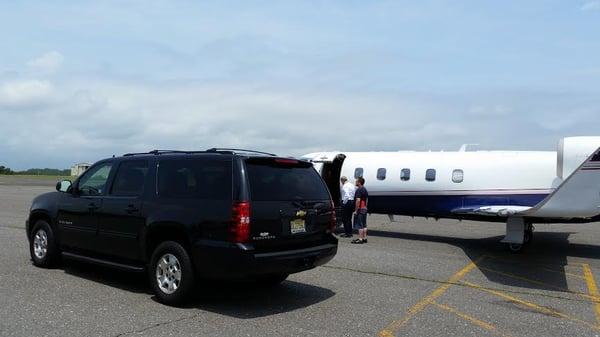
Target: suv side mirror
(64,185)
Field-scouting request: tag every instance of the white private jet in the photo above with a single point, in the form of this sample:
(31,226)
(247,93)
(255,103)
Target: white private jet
(516,187)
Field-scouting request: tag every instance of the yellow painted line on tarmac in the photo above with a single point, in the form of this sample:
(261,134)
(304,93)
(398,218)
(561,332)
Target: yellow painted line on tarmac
(517,277)
(536,263)
(533,306)
(540,283)
(563,273)
(592,289)
(391,329)
(542,266)
(484,325)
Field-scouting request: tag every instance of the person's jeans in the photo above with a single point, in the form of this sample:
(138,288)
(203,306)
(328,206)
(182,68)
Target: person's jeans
(347,210)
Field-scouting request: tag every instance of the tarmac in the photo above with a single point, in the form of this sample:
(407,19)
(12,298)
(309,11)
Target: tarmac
(415,277)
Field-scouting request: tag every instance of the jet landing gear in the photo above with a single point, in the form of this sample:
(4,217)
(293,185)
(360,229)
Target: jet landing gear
(518,234)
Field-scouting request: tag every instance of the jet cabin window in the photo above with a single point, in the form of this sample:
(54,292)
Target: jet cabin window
(430,175)
(458,176)
(405,174)
(381,174)
(358,172)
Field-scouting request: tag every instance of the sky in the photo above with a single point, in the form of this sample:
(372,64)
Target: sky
(81,81)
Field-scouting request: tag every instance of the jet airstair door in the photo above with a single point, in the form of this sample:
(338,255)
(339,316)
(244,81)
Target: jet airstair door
(331,173)
(328,157)
(319,168)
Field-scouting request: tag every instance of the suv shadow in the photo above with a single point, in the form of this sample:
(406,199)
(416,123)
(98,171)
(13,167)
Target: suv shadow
(250,300)
(128,281)
(244,300)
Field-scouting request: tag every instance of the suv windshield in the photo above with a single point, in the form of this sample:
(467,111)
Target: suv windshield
(273,181)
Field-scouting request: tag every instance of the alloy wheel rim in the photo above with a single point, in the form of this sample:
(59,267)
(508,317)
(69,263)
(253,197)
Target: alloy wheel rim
(168,273)
(40,244)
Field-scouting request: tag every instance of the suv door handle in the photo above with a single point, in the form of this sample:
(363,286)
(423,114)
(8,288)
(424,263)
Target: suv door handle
(92,207)
(131,209)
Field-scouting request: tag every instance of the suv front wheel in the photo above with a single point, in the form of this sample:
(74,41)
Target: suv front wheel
(171,273)
(42,245)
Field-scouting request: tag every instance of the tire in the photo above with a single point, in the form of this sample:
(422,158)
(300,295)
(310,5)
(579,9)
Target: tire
(271,280)
(42,245)
(171,273)
(528,236)
(514,247)
(528,233)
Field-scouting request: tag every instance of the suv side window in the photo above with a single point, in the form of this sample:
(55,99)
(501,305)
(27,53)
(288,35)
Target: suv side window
(94,180)
(198,178)
(130,178)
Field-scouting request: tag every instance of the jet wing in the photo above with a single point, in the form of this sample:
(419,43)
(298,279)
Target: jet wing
(577,197)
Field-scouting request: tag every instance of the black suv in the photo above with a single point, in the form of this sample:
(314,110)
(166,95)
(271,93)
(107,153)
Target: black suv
(185,215)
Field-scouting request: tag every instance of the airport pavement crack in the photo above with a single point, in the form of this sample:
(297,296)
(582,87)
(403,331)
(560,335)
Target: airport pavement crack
(178,320)
(459,284)
(156,325)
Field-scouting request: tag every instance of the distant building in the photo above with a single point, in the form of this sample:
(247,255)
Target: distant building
(78,169)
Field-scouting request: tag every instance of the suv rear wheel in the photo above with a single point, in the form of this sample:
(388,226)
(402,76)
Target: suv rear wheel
(42,245)
(171,273)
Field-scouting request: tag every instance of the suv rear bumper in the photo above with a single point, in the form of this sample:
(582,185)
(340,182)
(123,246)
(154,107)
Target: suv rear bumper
(219,260)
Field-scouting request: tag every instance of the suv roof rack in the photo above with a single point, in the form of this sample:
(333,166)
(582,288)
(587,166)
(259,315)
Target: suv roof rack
(214,149)
(220,149)
(157,152)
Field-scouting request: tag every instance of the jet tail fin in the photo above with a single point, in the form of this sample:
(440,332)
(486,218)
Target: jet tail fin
(577,197)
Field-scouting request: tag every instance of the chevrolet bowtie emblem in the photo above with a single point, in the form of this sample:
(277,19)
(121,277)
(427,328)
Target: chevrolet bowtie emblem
(301,214)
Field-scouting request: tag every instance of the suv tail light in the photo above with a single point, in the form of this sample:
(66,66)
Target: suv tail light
(239,231)
(333,220)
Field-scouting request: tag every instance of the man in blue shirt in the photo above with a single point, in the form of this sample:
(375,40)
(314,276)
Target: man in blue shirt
(361,199)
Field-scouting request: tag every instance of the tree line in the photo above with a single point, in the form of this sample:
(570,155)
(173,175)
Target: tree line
(35,171)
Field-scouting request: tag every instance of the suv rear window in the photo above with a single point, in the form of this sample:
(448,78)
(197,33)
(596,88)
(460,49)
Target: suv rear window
(273,181)
(195,178)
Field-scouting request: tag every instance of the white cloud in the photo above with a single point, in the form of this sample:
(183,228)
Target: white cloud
(25,93)
(108,118)
(491,110)
(47,63)
(591,6)
(87,120)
